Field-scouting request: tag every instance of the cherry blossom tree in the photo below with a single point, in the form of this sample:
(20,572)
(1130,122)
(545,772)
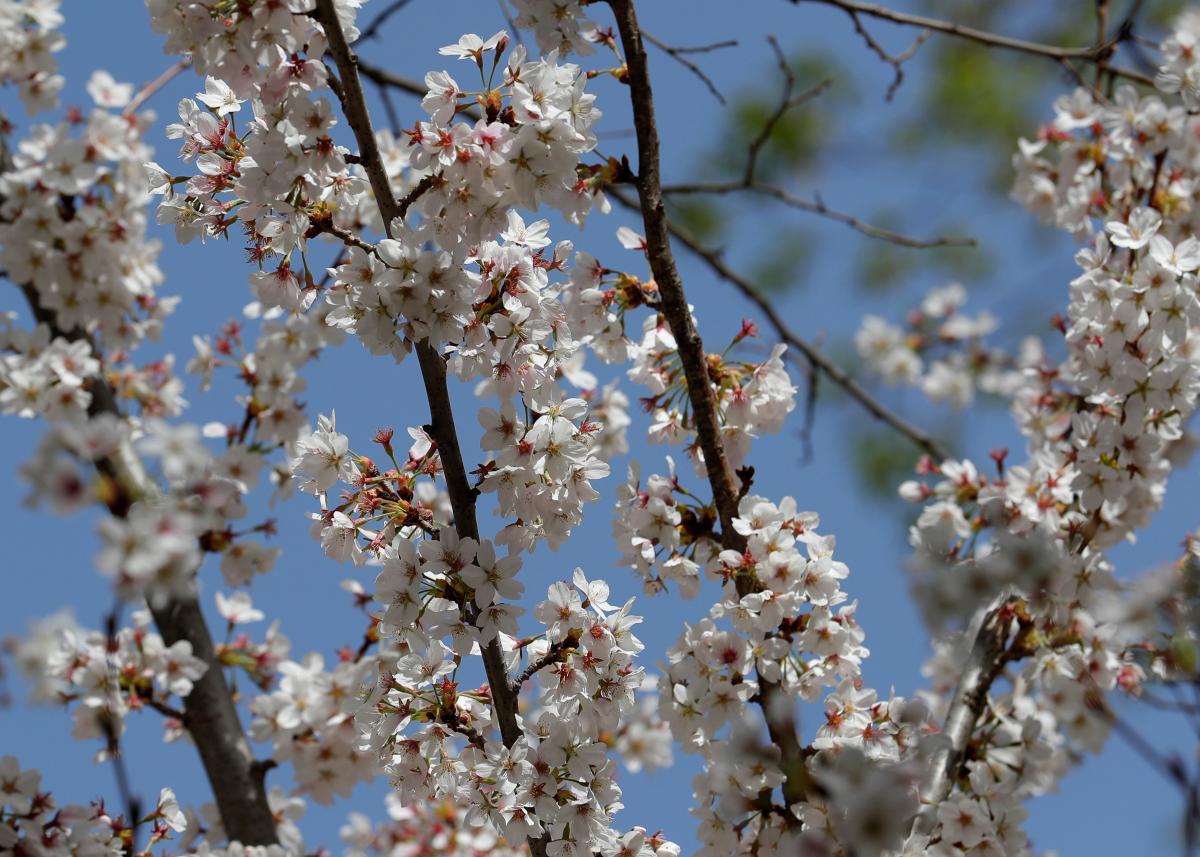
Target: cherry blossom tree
(504,718)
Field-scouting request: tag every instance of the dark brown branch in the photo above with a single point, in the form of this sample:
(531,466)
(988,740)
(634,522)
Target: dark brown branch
(778,710)
(433,366)
(383,77)
(211,719)
(553,655)
(416,193)
(165,710)
(347,238)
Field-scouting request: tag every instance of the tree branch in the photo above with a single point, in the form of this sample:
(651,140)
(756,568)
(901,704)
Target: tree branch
(831,370)
(433,366)
(679,55)
(818,206)
(209,712)
(1097,53)
(778,710)
(386,12)
(984,664)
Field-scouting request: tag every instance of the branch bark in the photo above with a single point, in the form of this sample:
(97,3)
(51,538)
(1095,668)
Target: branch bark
(778,710)
(433,366)
(983,666)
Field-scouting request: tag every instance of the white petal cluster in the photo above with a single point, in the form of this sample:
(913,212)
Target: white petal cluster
(941,351)
(28,42)
(105,679)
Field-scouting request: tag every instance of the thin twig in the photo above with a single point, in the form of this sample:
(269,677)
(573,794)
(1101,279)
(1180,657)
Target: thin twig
(1090,53)
(785,104)
(553,655)
(817,206)
(678,54)
(150,89)
(897,61)
(108,724)
(166,710)
(386,12)
(1101,31)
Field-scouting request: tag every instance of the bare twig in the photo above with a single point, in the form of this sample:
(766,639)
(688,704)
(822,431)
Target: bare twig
(897,61)
(383,77)
(786,103)
(1090,53)
(817,206)
(150,89)
(386,12)
(789,99)
(679,55)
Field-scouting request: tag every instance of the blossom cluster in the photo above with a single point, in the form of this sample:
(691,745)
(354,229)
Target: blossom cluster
(74,226)
(752,397)
(530,754)
(1025,543)
(941,350)
(28,42)
(31,821)
(105,678)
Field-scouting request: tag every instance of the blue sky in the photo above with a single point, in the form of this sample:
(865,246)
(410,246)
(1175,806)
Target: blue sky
(50,560)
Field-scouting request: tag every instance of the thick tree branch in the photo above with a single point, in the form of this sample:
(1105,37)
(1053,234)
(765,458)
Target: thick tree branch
(433,366)
(984,664)
(209,713)
(778,710)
